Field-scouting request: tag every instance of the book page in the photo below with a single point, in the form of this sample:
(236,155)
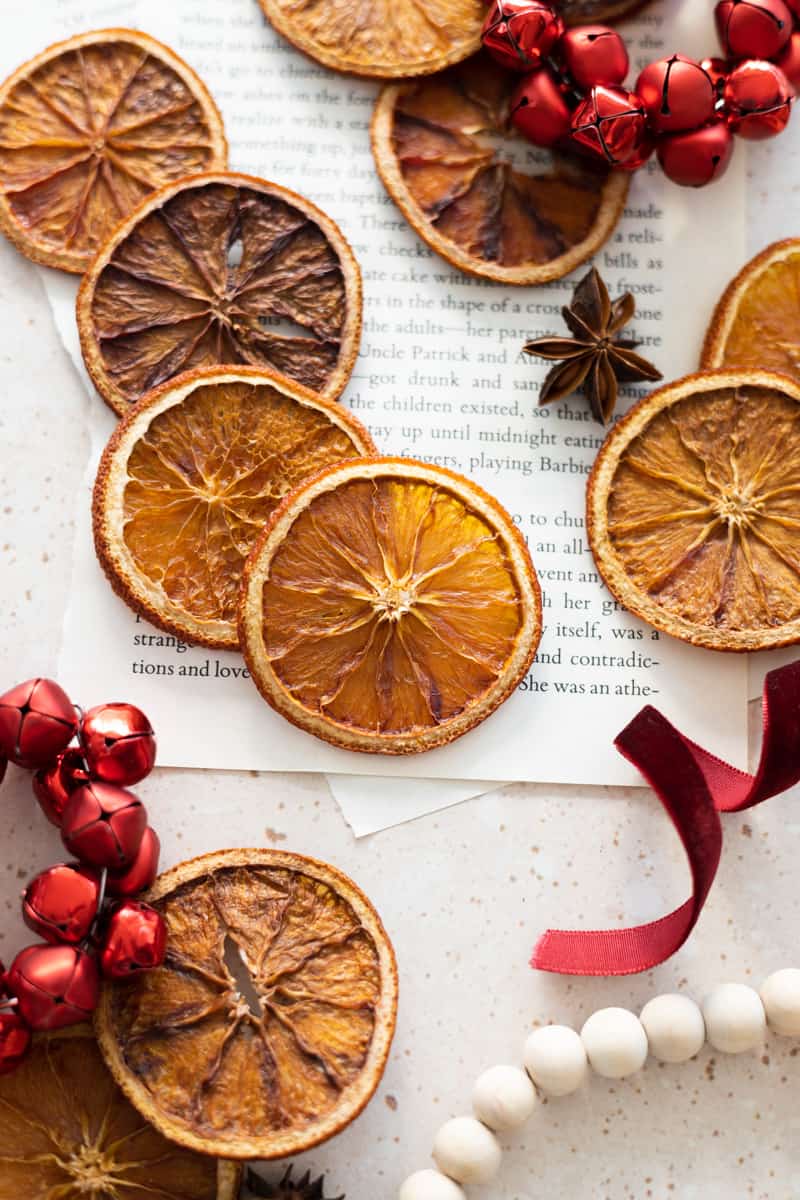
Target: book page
(440,377)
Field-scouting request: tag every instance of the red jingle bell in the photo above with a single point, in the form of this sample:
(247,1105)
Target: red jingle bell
(753,28)
(520,34)
(642,154)
(61,903)
(55,986)
(610,124)
(788,62)
(3,765)
(143,870)
(103,825)
(677,94)
(37,722)
(717,70)
(118,743)
(136,940)
(539,109)
(53,785)
(696,158)
(15,1041)
(758,100)
(594,54)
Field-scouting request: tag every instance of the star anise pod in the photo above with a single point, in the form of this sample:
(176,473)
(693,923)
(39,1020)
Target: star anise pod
(594,358)
(289,1188)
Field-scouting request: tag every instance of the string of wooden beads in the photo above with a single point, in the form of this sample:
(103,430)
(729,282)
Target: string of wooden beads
(614,1043)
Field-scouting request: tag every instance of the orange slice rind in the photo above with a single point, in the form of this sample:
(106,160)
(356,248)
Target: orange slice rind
(190,477)
(220,268)
(68,1132)
(381,38)
(389,607)
(88,128)
(434,142)
(756,324)
(268,1028)
(694,510)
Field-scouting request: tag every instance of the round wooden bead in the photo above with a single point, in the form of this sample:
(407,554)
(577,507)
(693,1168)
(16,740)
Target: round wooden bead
(735,1018)
(674,1026)
(615,1042)
(780,995)
(430,1185)
(504,1098)
(555,1059)
(467,1151)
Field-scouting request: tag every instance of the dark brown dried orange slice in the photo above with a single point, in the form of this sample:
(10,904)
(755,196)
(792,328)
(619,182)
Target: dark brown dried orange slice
(68,1133)
(189,479)
(603,12)
(381,38)
(694,510)
(90,127)
(268,1028)
(434,142)
(220,268)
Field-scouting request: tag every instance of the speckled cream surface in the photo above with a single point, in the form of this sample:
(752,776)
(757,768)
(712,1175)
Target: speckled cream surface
(463,893)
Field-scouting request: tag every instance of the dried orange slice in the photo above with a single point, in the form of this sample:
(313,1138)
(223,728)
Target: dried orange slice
(390,606)
(381,38)
(68,1133)
(605,12)
(220,268)
(189,479)
(757,322)
(90,127)
(694,510)
(434,142)
(268,1028)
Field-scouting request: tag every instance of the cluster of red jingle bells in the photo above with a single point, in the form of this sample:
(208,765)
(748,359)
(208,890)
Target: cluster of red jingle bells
(572,91)
(84,910)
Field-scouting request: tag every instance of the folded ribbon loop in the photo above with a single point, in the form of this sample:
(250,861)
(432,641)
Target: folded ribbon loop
(694,786)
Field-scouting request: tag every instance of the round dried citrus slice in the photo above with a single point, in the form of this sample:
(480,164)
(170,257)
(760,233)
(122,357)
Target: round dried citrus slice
(390,606)
(189,479)
(381,38)
(90,127)
(220,268)
(694,510)
(268,1028)
(757,322)
(435,147)
(68,1133)
(605,12)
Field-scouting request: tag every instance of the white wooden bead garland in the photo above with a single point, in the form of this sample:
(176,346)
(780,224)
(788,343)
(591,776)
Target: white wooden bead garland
(615,1043)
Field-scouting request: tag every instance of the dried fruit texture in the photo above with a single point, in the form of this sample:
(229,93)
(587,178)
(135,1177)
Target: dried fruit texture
(433,153)
(268,1027)
(390,607)
(220,269)
(757,322)
(88,129)
(68,1133)
(188,481)
(694,510)
(381,38)
(604,12)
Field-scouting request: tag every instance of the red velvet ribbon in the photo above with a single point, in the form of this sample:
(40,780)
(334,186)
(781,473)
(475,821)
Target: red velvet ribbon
(694,787)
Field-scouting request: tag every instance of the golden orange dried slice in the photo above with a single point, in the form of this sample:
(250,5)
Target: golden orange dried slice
(268,1028)
(756,324)
(381,38)
(694,510)
(435,146)
(67,1132)
(90,127)
(220,268)
(390,606)
(189,479)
